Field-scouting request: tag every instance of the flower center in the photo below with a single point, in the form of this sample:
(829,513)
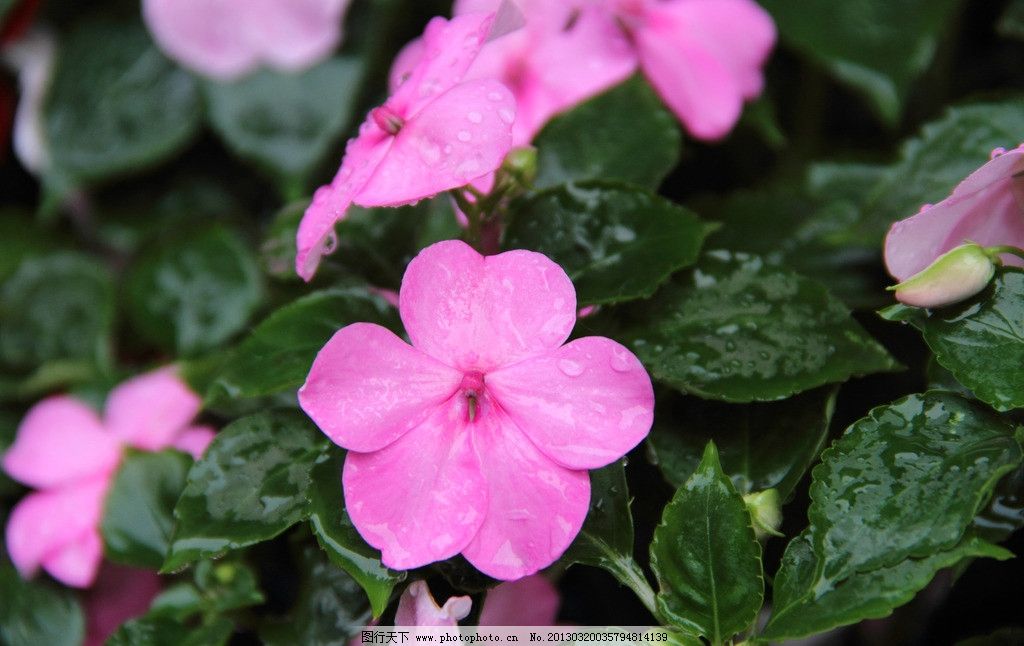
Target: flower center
(387,119)
(472,388)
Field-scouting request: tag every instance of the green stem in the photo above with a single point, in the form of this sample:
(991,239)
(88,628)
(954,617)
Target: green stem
(630,575)
(994,252)
(472,212)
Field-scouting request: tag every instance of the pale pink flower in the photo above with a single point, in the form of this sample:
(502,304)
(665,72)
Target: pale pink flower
(986,208)
(433,134)
(65,451)
(118,594)
(704,57)
(530,601)
(225,39)
(32,57)
(477,437)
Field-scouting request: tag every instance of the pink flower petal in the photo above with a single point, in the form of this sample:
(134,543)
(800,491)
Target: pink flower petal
(701,89)
(418,608)
(448,49)
(119,594)
(985,208)
(367,387)
(738,32)
(530,601)
(584,405)
(59,441)
(478,313)
(422,498)
(315,237)
(149,410)
(59,530)
(461,135)
(535,507)
(296,34)
(194,440)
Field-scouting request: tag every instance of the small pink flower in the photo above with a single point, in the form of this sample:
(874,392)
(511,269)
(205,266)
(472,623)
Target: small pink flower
(704,57)
(225,39)
(118,594)
(434,133)
(530,601)
(70,455)
(477,437)
(986,208)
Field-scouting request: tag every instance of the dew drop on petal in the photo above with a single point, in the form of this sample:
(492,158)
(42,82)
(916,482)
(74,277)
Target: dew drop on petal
(475,117)
(464,135)
(494,96)
(506,115)
(570,368)
(996,152)
(621,361)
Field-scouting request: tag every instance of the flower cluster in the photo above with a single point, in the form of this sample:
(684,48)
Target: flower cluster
(70,455)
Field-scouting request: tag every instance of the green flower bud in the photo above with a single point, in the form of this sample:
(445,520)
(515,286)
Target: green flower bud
(765,512)
(521,163)
(956,275)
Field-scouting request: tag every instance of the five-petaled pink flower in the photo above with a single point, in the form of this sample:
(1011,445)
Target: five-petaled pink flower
(70,455)
(225,39)
(433,134)
(704,57)
(476,439)
(986,208)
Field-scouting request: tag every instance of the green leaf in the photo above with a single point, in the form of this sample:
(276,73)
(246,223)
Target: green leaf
(877,47)
(890,502)
(219,587)
(286,122)
(19,239)
(624,133)
(277,356)
(762,446)
(138,510)
(33,612)
(57,306)
(616,242)
(800,611)
(340,540)
(8,430)
(116,105)
(251,484)
(331,609)
(1011,23)
(739,329)
(706,557)
(981,340)
(160,631)
(193,294)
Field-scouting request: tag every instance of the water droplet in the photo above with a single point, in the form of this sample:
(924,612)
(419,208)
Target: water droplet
(429,151)
(475,117)
(924,207)
(448,149)
(330,242)
(468,167)
(621,361)
(494,96)
(506,115)
(464,135)
(570,368)
(996,152)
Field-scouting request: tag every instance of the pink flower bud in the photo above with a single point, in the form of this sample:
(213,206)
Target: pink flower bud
(956,275)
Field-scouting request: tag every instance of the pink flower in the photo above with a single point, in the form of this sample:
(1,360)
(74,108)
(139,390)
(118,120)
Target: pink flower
(530,601)
(70,455)
(225,39)
(986,208)
(477,437)
(118,594)
(435,133)
(704,57)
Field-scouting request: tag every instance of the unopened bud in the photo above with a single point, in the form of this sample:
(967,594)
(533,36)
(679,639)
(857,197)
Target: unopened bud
(956,275)
(765,512)
(521,163)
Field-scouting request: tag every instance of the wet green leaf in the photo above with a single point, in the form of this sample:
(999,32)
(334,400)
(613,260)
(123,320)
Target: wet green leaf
(625,134)
(34,612)
(738,329)
(160,631)
(981,340)
(138,510)
(340,540)
(616,242)
(762,446)
(706,557)
(194,293)
(251,484)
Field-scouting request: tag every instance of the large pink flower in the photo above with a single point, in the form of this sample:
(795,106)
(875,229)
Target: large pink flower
(225,39)
(477,437)
(433,134)
(704,57)
(986,208)
(69,454)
